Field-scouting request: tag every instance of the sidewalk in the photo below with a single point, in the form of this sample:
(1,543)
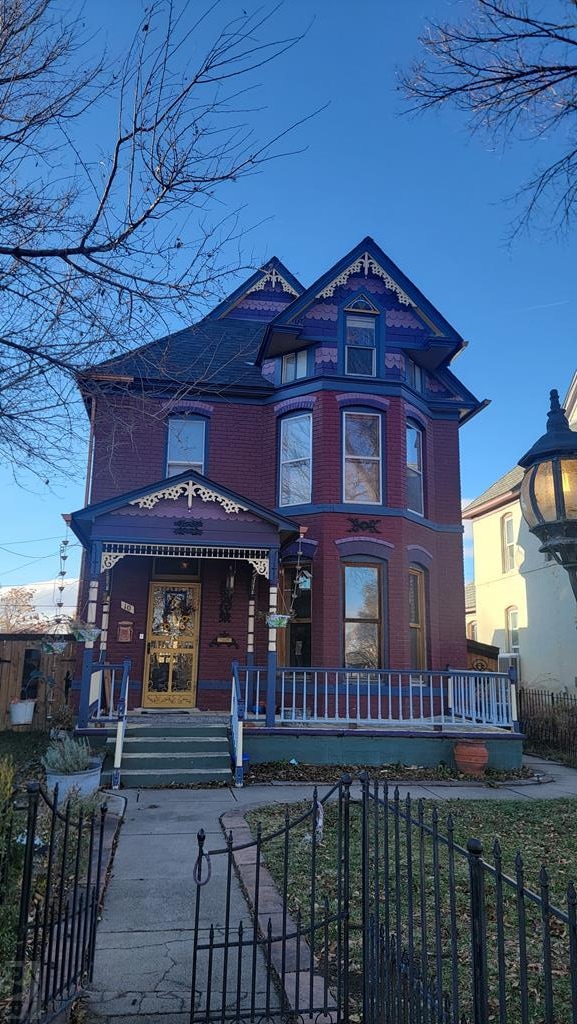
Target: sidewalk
(144,941)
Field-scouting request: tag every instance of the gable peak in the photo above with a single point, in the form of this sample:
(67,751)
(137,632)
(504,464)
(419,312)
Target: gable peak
(271,276)
(365,264)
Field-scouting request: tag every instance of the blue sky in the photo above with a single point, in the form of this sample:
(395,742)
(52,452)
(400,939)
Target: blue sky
(433,196)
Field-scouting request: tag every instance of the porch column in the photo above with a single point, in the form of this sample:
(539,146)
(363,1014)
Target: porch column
(271,658)
(84,708)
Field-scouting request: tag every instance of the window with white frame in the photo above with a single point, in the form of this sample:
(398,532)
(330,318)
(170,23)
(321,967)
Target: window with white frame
(507,542)
(295,476)
(512,616)
(360,345)
(414,475)
(294,366)
(362,469)
(186,445)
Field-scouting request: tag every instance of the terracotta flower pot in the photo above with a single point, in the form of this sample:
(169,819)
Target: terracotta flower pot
(471,757)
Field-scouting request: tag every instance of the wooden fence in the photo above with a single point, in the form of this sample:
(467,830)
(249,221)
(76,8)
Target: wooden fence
(22,654)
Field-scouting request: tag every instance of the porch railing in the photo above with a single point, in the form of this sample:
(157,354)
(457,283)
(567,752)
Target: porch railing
(108,687)
(377,697)
(236,725)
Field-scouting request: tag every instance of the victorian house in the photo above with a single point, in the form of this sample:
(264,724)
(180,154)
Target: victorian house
(278,486)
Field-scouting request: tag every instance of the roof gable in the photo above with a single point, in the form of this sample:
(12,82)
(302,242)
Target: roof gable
(365,262)
(263,296)
(191,486)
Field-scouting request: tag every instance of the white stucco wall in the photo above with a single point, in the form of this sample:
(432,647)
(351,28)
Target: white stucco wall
(541,592)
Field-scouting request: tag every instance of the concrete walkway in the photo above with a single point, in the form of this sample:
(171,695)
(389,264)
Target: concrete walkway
(144,941)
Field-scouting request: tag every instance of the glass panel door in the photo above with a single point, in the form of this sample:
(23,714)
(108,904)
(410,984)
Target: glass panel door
(170,671)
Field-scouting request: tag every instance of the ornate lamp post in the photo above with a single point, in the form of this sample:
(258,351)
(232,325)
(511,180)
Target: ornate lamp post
(549,490)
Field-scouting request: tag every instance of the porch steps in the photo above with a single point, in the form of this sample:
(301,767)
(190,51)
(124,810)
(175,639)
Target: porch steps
(162,755)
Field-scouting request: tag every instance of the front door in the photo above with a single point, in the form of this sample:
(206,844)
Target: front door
(170,670)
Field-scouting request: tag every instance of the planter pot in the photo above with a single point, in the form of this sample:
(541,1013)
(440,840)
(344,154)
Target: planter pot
(22,712)
(86,634)
(84,784)
(471,757)
(277,621)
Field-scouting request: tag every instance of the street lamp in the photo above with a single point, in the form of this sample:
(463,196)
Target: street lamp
(549,490)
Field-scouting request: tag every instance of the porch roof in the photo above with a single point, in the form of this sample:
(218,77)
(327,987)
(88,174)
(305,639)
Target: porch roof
(177,510)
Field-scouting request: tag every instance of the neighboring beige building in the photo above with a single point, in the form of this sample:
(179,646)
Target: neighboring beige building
(523,602)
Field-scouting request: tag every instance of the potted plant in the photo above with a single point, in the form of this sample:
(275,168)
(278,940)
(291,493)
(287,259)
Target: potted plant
(83,632)
(277,621)
(61,722)
(70,764)
(22,708)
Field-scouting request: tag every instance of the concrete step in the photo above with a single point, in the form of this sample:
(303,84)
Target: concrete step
(157,779)
(180,729)
(194,745)
(177,760)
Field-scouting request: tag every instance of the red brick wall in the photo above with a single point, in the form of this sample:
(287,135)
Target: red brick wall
(130,452)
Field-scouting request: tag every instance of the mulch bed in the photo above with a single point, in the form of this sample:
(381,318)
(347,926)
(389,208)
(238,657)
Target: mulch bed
(284,771)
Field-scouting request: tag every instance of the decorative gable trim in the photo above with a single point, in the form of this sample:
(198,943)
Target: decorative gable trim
(272,277)
(188,488)
(368,265)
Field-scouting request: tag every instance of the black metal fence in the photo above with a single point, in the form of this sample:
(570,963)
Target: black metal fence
(50,887)
(549,722)
(371,911)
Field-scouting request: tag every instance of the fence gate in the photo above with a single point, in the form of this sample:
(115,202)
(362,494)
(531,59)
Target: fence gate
(365,911)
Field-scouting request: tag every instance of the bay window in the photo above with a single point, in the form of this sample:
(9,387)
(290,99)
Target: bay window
(414,476)
(295,477)
(362,616)
(362,474)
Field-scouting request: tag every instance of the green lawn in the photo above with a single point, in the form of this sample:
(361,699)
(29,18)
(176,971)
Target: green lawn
(543,830)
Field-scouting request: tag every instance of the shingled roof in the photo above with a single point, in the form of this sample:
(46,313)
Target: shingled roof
(213,353)
(509,483)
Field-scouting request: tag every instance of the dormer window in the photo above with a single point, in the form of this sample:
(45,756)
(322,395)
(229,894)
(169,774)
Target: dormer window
(294,366)
(414,375)
(361,338)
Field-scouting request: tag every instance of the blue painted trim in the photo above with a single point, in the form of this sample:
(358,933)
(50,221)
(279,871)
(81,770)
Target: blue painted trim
(366,245)
(376,511)
(82,519)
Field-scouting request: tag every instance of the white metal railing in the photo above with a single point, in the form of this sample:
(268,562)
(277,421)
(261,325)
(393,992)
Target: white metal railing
(237,726)
(379,696)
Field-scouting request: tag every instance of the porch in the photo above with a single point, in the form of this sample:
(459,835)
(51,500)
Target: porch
(330,716)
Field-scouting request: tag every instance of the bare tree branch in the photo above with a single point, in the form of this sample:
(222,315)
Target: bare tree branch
(106,244)
(514,73)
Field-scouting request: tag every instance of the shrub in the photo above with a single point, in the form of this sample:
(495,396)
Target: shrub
(67,756)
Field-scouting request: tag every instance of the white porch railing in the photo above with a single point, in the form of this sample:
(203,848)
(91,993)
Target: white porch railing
(381,697)
(109,703)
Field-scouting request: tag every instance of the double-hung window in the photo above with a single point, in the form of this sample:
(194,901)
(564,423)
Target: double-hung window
(363,616)
(415,493)
(362,472)
(294,366)
(360,345)
(507,543)
(295,478)
(186,445)
(512,630)
(417,623)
